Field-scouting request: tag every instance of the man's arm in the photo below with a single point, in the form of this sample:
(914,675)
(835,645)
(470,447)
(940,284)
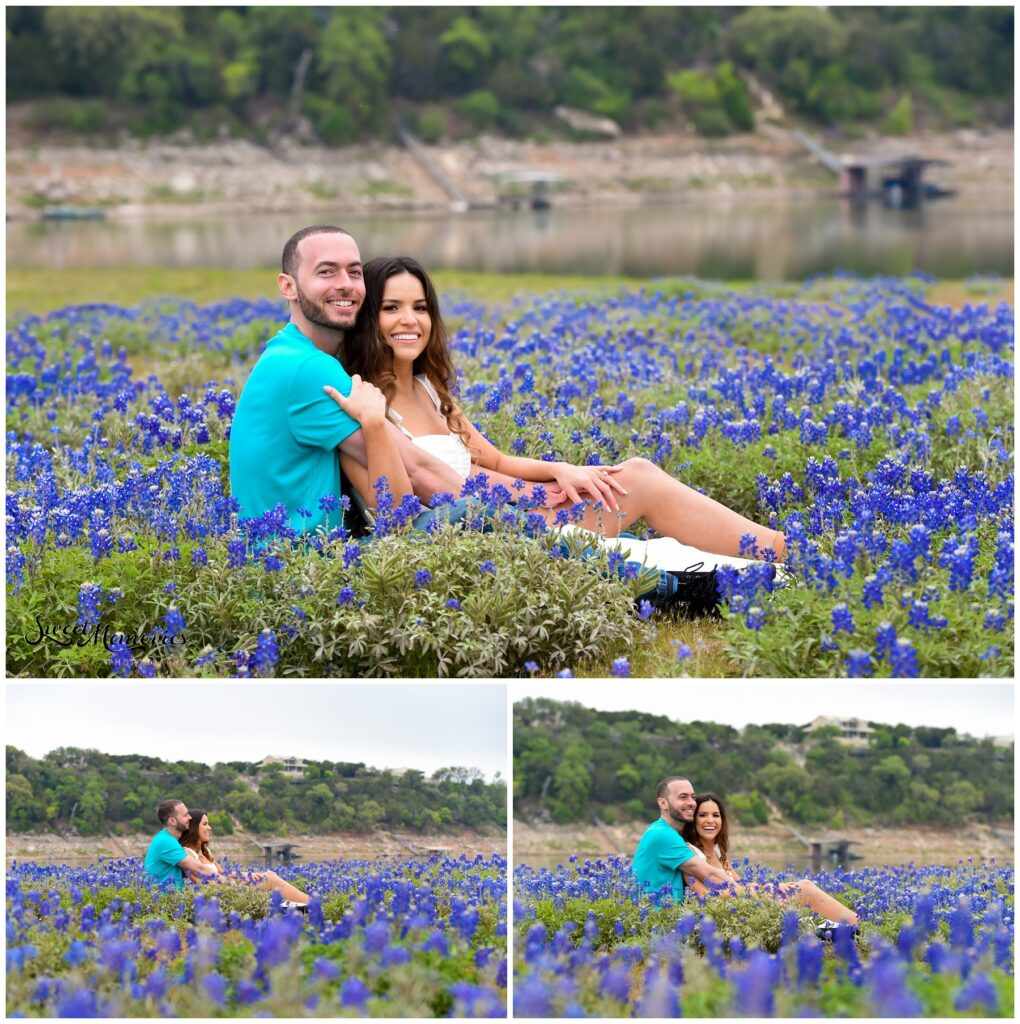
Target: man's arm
(382,457)
(428,475)
(702,871)
(193,866)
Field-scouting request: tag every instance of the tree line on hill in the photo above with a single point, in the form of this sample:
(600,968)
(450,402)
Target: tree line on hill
(88,791)
(456,71)
(571,762)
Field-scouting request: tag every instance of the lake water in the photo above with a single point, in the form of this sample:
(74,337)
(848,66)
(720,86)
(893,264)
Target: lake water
(951,238)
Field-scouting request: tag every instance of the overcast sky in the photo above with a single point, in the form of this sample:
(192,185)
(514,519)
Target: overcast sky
(981,709)
(386,725)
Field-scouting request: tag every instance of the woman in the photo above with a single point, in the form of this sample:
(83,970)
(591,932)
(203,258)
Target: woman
(401,345)
(196,844)
(708,836)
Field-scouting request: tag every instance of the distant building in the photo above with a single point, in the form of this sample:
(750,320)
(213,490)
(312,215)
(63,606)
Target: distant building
(293,767)
(854,732)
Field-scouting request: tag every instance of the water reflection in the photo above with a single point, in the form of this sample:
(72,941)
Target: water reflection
(950,238)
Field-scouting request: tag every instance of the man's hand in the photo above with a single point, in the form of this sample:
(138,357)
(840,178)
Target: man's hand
(366,403)
(705,872)
(596,481)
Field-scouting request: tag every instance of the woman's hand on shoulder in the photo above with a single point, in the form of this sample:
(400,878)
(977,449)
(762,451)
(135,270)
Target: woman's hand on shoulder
(366,403)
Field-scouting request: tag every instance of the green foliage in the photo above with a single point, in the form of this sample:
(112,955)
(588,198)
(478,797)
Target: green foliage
(431,124)
(466,50)
(833,65)
(123,791)
(901,118)
(716,102)
(694,86)
(587,90)
(748,808)
(554,914)
(481,107)
(755,921)
(332,121)
(86,117)
(614,759)
(734,98)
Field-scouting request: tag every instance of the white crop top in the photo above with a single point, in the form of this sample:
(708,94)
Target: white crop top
(448,448)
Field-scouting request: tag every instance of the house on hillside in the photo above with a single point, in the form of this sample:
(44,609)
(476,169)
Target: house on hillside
(854,732)
(292,767)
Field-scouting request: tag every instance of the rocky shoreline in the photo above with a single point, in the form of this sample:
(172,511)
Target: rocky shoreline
(164,178)
(890,845)
(54,849)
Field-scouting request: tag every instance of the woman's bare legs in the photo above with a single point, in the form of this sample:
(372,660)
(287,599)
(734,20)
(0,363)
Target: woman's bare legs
(271,880)
(675,510)
(809,895)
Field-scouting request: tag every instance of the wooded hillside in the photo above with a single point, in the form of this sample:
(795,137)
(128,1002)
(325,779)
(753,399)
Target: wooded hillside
(89,790)
(456,71)
(571,761)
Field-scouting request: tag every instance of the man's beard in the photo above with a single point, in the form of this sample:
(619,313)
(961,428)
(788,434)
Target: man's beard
(317,315)
(675,815)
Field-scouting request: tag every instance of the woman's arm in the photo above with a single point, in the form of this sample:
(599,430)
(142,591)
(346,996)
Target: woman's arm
(596,481)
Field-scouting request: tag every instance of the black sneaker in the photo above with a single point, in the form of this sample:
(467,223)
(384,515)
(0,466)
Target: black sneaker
(697,592)
(290,905)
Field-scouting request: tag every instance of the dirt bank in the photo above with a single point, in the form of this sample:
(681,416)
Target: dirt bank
(163,178)
(876,845)
(334,846)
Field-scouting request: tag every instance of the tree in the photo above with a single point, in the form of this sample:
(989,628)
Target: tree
(572,782)
(466,52)
(22,807)
(893,775)
(353,61)
(92,809)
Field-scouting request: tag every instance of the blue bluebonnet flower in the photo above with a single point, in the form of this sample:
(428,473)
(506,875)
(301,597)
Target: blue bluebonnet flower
(266,655)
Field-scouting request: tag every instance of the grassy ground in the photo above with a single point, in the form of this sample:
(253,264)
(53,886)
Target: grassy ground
(38,292)
(35,291)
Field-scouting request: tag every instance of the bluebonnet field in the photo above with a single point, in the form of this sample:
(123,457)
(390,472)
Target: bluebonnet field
(935,942)
(875,428)
(410,938)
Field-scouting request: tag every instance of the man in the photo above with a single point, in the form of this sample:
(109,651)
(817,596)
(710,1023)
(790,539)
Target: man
(286,429)
(166,859)
(663,857)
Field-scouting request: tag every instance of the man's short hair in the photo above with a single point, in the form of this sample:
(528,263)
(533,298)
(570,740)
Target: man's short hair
(290,262)
(167,810)
(663,788)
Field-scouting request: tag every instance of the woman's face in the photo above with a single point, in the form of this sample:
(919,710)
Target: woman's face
(404,321)
(708,822)
(204,829)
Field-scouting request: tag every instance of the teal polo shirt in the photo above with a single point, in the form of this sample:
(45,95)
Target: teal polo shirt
(162,858)
(658,857)
(285,432)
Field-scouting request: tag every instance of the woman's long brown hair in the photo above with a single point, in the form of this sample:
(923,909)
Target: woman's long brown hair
(190,838)
(722,840)
(364,352)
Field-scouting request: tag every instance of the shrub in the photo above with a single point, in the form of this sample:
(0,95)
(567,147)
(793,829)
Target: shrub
(481,107)
(900,120)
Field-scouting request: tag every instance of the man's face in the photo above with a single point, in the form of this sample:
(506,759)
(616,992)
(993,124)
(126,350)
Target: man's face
(180,819)
(679,802)
(329,286)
